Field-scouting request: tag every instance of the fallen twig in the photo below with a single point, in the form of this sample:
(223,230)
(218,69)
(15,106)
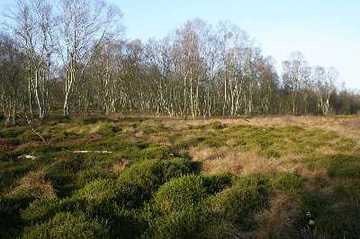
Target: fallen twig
(33,130)
(27,156)
(88,152)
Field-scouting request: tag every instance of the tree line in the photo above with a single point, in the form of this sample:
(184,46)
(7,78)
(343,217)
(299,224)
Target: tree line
(71,55)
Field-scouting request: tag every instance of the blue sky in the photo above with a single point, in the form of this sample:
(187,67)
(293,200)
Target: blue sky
(326,31)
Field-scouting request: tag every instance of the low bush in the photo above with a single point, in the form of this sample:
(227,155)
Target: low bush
(10,220)
(104,194)
(33,186)
(62,175)
(217,183)
(66,225)
(333,215)
(154,151)
(115,202)
(344,166)
(150,174)
(41,210)
(12,171)
(90,174)
(287,182)
(180,194)
(189,222)
(239,203)
(125,223)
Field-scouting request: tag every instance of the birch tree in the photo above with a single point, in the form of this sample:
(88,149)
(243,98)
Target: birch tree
(33,23)
(12,85)
(84,24)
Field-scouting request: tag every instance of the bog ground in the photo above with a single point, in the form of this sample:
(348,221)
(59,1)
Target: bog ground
(274,177)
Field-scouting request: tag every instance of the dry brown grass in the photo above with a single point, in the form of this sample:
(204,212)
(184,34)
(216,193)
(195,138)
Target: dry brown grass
(119,166)
(159,139)
(345,126)
(226,160)
(278,220)
(229,160)
(35,185)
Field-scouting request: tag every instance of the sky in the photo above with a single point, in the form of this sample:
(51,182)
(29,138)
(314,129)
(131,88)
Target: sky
(327,32)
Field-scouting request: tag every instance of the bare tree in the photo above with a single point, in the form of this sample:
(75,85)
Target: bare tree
(32,23)
(70,54)
(83,25)
(325,85)
(12,85)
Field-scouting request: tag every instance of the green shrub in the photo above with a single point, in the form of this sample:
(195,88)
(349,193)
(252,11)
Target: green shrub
(12,132)
(116,203)
(102,197)
(150,174)
(214,140)
(180,194)
(153,151)
(41,210)
(216,183)
(178,208)
(239,203)
(125,223)
(108,128)
(344,166)
(87,175)
(334,216)
(66,225)
(288,182)
(218,228)
(10,221)
(189,222)
(10,172)
(62,175)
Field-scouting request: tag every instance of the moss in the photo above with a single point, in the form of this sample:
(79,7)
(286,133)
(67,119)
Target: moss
(337,166)
(215,141)
(179,209)
(123,147)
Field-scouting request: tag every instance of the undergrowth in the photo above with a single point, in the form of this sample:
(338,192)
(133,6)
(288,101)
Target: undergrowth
(137,178)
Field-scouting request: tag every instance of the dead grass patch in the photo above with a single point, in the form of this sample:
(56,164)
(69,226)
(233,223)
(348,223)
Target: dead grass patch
(119,166)
(35,184)
(279,219)
(226,160)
